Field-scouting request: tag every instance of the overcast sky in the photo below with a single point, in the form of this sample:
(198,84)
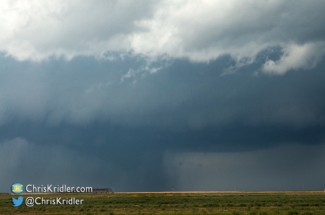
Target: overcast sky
(163,95)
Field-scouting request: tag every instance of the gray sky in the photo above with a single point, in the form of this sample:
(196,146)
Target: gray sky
(146,96)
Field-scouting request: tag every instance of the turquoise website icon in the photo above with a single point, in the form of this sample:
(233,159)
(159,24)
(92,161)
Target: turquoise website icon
(17,188)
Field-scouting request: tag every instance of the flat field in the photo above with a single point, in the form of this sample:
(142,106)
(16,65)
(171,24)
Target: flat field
(186,203)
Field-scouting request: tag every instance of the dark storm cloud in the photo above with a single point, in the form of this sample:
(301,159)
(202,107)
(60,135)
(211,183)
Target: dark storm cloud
(180,96)
(109,131)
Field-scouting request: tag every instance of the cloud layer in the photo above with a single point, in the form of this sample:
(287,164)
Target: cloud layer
(182,95)
(200,31)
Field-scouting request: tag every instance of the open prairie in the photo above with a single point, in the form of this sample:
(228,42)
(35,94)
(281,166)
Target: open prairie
(180,203)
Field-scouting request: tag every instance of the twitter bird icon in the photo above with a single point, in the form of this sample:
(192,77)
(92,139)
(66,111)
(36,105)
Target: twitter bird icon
(17,202)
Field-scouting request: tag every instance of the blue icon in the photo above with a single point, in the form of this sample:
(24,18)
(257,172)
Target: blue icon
(17,188)
(17,202)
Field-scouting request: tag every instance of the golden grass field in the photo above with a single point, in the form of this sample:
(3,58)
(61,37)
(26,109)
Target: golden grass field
(180,203)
